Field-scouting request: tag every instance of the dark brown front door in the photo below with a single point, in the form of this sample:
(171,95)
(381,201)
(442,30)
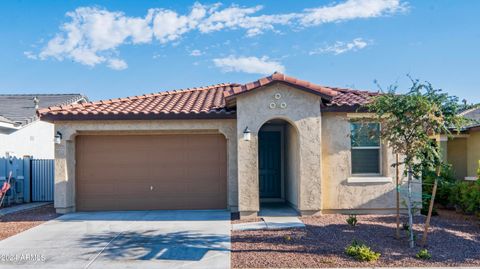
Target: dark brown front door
(148,172)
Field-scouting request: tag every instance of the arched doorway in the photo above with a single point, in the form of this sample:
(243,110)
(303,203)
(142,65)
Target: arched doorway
(278,169)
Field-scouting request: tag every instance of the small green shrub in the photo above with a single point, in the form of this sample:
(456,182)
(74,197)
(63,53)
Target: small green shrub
(452,193)
(426,206)
(352,220)
(445,182)
(423,254)
(287,238)
(414,235)
(361,252)
(466,196)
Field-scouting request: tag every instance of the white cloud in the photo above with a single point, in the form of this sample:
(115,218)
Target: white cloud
(117,64)
(351,9)
(30,55)
(93,35)
(169,25)
(341,47)
(196,53)
(236,17)
(251,65)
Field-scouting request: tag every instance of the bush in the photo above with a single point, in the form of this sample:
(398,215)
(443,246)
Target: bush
(463,195)
(423,254)
(352,220)
(466,196)
(445,183)
(361,252)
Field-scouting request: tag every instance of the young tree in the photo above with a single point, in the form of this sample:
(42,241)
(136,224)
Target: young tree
(409,121)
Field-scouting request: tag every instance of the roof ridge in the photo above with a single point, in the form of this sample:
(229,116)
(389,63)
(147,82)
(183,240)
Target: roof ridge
(73,99)
(466,111)
(218,85)
(347,90)
(280,77)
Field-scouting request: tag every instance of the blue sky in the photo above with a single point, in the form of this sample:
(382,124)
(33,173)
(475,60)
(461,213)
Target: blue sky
(108,49)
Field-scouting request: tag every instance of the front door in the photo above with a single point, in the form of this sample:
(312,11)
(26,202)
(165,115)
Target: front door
(269,164)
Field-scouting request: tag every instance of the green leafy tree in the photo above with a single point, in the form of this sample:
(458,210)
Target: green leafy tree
(409,121)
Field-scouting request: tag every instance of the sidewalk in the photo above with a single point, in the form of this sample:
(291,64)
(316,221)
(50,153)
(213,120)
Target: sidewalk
(21,207)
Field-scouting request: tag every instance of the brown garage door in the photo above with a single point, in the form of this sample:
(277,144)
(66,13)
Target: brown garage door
(147,172)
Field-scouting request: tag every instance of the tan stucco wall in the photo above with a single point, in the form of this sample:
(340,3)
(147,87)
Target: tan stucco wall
(473,153)
(65,152)
(457,156)
(302,111)
(337,193)
(291,170)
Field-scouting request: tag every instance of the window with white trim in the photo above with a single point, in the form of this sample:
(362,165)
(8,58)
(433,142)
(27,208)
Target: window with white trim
(365,148)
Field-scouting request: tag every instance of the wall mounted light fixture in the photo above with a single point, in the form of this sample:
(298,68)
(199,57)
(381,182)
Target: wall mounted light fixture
(246,134)
(58,138)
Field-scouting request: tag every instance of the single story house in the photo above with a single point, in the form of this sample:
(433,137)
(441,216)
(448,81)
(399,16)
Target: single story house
(226,146)
(21,131)
(462,150)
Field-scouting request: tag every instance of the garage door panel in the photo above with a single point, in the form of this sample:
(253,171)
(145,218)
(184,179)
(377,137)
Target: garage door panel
(135,172)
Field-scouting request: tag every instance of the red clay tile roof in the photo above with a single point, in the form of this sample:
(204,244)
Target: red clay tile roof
(325,92)
(194,103)
(202,102)
(350,97)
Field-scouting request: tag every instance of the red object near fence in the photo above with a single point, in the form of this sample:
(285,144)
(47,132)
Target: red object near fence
(6,186)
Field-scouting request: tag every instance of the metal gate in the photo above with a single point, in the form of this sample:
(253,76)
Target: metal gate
(42,180)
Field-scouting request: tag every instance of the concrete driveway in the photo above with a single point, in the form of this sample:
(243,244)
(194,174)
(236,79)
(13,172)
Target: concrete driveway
(133,239)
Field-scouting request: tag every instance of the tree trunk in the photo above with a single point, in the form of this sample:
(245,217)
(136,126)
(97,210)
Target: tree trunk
(430,209)
(409,207)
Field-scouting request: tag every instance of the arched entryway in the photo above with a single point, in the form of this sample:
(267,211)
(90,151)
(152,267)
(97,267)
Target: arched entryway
(278,169)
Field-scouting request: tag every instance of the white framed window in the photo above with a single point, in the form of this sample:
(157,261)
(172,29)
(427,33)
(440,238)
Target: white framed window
(365,148)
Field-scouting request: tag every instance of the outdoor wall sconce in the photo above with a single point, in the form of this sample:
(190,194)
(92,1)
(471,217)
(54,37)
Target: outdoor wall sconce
(246,134)
(58,138)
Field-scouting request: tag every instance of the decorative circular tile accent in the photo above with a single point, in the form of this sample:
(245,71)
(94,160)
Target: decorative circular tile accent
(278,96)
(273,105)
(283,105)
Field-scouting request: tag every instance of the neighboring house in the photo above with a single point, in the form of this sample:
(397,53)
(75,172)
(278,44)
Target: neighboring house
(463,150)
(21,131)
(226,146)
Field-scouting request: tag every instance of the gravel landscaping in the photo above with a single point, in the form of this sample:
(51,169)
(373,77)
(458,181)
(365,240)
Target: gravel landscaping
(15,223)
(452,242)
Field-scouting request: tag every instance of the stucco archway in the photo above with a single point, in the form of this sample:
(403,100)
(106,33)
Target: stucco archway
(301,110)
(278,163)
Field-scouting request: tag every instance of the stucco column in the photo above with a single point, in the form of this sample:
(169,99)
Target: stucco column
(64,185)
(248,193)
(310,187)
(231,137)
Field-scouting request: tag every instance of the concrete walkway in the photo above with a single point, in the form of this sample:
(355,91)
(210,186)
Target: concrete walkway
(130,239)
(270,223)
(21,207)
(275,216)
